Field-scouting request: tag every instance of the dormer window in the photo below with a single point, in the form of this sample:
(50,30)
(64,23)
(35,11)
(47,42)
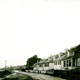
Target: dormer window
(71,54)
(57,56)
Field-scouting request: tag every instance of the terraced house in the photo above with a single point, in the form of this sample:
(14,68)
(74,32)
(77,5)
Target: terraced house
(62,61)
(53,62)
(72,61)
(44,65)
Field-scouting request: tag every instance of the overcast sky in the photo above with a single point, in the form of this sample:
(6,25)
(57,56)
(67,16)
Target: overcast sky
(37,27)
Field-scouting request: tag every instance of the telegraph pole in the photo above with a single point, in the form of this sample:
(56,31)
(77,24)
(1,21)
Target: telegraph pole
(5,64)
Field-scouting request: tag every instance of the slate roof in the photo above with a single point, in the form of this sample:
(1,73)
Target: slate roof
(61,58)
(75,56)
(49,60)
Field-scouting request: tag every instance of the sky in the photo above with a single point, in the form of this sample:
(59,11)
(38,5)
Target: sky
(37,27)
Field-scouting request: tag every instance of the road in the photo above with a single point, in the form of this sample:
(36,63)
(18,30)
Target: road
(34,76)
(16,75)
(37,76)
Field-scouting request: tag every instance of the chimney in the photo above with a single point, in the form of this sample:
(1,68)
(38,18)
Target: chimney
(68,54)
(44,59)
(59,55)
(54,57)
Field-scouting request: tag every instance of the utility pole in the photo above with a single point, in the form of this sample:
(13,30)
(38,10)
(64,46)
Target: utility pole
(5,64)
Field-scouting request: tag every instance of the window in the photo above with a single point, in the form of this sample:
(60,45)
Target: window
(56,62)
(73,53)
(40,65)
(69,62)
(60,62)
(73,62)
(34,65)
(57,56)
(46,64)
(78,62)
(64,63)
(78,59)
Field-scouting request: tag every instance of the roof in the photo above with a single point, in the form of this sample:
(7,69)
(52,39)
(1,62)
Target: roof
(42,61)
(69,57)
(61,58)
(49,60)
(36,63)
(75,56)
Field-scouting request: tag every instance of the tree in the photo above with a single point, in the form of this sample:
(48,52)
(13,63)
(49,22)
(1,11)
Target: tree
(76,50)
(31,61)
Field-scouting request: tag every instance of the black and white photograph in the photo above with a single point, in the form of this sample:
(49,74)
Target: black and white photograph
(39,39)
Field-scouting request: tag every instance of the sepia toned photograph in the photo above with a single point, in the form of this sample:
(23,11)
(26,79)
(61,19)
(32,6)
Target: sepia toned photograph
(39,39)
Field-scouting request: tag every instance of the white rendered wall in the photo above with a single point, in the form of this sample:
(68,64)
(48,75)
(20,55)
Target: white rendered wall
(51,65)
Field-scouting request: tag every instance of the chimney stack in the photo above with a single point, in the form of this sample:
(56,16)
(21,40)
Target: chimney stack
(68,54)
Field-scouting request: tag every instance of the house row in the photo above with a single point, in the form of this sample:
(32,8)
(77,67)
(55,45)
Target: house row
(69,60)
